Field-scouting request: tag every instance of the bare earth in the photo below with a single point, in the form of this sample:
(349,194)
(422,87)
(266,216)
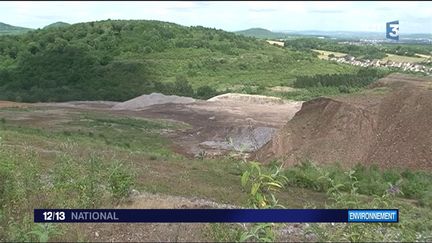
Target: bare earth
(392,130)
(221,124)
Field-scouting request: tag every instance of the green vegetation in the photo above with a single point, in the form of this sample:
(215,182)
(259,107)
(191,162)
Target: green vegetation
(410,227)
(6,29)
(345,189)
(119,60)
(407,49)
(310,87)
(310,93)
(261,185)
(94,160)
(359,51)
(370,180)
(360,79)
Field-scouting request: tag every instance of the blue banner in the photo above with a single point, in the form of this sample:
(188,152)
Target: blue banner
(215,215)
(392,30)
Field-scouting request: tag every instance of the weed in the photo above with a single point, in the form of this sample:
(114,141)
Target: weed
(120,181)
(44,232)
(222,232)
(261,186)
(67,133)
(371,180)
(361,231)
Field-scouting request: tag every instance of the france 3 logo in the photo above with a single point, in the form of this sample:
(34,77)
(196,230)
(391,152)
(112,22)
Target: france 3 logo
(392,32)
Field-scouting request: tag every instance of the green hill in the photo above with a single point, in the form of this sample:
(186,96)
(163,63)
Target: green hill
(6,29)
(262,33)
(57,25)
(118,60)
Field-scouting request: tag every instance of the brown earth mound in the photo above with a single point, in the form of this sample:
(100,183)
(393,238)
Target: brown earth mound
(392,131)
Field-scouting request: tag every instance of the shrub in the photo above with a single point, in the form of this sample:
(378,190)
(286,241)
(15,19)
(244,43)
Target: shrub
(260,185)
(205,92)
(344,89)
(120,181)
(182,87)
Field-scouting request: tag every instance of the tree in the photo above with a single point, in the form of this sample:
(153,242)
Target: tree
(205,92)
(182,87)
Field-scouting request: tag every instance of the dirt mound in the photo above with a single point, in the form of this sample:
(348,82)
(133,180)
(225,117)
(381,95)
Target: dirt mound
(404,134)
(323,130)
(245,98)
(395,132)
(144,101)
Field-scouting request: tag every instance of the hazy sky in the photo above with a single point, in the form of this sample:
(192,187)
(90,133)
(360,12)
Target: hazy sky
(414,17)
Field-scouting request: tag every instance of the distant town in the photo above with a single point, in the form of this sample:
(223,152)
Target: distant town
(347,59)
(404,66)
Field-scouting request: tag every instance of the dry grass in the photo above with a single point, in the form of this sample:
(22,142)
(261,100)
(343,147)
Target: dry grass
(324,54)
(398,58)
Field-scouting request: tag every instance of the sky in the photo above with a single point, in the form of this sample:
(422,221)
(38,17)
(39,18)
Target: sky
(414,17)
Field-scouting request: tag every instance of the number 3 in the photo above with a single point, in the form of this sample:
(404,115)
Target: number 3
(395,30)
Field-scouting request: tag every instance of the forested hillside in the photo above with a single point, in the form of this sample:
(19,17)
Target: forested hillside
(118,60)
(6,29)
(57,25)
(262,33)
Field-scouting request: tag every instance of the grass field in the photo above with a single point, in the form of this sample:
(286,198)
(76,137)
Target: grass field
(397,58)
(81,159)
(92,160)
(324,54)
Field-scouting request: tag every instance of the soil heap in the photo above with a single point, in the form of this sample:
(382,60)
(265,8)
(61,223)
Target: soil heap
(392,131)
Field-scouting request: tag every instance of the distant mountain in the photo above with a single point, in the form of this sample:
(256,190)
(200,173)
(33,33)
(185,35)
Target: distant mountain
(338,34)
(262,33)
(57,25)
(6,29)
(417,36)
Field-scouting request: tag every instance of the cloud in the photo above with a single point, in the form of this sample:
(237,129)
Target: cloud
(263,10)
(327,11)
(275,15)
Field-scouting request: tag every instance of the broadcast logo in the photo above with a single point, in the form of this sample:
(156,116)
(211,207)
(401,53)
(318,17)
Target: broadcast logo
(392,30)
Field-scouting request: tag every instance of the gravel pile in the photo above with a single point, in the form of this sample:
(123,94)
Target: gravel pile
(144,101)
